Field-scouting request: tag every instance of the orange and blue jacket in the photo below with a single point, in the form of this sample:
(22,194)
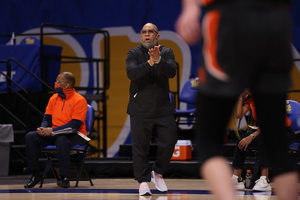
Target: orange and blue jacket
(66,113)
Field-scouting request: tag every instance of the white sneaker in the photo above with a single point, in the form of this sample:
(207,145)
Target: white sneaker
(262,184)
(239,184)
(159,182)
(144,189)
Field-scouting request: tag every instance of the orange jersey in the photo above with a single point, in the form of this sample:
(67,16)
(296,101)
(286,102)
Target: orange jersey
(209,2)
(63,111)
(250,102)
(206,2)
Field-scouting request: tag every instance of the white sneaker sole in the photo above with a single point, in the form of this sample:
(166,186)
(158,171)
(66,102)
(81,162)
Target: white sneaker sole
(145,194)
(153,181)
(262,189)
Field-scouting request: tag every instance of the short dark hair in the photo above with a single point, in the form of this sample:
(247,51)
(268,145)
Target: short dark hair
(69,77)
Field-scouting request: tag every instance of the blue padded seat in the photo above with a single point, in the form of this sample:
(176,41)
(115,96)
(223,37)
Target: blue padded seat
(188,95)
(293,112)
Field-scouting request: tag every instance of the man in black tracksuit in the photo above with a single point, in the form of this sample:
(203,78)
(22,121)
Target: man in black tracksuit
(149,67)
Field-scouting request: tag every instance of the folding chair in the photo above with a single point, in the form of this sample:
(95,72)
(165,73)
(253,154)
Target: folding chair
(185,118)
(77,151)
(187,95)
(293,112)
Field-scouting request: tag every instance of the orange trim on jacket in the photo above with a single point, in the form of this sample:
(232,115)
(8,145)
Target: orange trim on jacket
(211,23)
(250,102)
(206,2)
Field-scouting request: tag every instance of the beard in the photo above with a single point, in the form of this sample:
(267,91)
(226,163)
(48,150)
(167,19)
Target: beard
(149,45)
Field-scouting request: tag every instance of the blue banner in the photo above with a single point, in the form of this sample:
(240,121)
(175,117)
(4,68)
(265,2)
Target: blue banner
(123,19)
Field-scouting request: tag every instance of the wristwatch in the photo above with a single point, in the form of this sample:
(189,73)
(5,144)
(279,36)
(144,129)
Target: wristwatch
(156,62)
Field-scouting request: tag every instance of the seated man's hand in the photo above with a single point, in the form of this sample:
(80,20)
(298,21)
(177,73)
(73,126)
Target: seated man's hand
(44,131)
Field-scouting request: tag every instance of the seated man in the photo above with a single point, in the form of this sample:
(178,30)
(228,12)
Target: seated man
(65,109)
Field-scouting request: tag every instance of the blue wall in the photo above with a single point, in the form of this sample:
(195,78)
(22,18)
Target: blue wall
(21,16)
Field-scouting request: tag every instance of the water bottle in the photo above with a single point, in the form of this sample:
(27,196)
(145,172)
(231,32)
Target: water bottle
(248,179)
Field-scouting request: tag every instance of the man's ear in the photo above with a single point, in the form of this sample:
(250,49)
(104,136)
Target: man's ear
(157,37)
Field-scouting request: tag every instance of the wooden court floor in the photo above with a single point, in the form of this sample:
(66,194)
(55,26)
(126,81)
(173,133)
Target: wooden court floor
(11,188)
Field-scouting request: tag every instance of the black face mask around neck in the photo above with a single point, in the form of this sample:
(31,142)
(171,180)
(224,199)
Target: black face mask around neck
(60,92)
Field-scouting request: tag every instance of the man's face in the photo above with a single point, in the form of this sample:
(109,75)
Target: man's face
(149,36)
(61,81)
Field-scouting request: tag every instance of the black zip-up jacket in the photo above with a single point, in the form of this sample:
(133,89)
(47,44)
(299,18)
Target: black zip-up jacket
(149,86)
